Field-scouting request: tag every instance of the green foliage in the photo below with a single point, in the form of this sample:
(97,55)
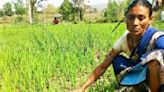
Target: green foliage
(78,13)
(19,19)
(111,12)
(2,13)
(51,9)
(48,58)
(8,9)
(157,13)
(66,10)
(115,11)
(20,9)
(78,6)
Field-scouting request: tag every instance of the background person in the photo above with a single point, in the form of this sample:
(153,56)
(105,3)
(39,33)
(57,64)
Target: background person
(55,21)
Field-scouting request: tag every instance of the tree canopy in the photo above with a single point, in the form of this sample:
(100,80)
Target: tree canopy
(8,9)
(66,10)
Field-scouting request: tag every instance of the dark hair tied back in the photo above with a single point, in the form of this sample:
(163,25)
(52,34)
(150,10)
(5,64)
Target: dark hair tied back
(144,3)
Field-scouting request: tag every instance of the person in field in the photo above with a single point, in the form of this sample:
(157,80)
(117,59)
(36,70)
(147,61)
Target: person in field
(137,57)
(55,21)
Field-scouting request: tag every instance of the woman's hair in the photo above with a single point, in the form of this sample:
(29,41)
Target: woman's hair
(144,3)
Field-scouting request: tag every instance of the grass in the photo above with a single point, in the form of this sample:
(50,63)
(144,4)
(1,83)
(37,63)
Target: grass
(48,58)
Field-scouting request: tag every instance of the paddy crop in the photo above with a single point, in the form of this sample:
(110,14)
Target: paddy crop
(48,58)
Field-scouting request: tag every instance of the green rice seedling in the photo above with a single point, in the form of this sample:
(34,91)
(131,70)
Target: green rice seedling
(48,58)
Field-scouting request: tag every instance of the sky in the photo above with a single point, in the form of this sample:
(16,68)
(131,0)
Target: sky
(3,2)
(57,3)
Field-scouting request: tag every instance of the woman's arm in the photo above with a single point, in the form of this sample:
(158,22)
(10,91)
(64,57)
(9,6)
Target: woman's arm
(118,47)
(99,70)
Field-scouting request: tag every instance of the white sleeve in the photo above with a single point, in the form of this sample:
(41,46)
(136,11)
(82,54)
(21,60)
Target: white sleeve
(121,44)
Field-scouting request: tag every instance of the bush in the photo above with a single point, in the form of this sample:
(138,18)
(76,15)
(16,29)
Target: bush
(2,13)
(19,19)
(9,13)
(7,7)
(66,10)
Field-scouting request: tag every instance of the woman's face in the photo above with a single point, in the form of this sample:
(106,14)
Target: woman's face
(138,19)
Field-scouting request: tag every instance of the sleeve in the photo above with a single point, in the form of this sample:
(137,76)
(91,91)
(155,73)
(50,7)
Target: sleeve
(120,44)
(159,44)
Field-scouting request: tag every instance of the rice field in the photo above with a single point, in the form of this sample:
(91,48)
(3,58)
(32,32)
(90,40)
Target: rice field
(55,58)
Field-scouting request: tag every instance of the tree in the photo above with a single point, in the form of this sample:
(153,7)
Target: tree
(19,7)
(8,9)
(115,11)
(2,13)
(111,12)
(79,6)
(66,10)
(51,9)
(31,8)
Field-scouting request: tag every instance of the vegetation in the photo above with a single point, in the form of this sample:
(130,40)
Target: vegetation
(8,9)
(47,58)
(56,58)
(72,11)
(52,58)
(115,11)
(2,13)
(32,8)
(66,9)
(19,7)
(50,10)
(78,6)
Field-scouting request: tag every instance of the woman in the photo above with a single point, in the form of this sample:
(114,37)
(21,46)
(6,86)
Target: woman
(134,44)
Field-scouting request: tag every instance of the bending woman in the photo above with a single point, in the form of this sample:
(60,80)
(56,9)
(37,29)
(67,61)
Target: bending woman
(140,43)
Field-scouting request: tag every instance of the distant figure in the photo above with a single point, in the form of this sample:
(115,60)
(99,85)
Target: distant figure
(55,21)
